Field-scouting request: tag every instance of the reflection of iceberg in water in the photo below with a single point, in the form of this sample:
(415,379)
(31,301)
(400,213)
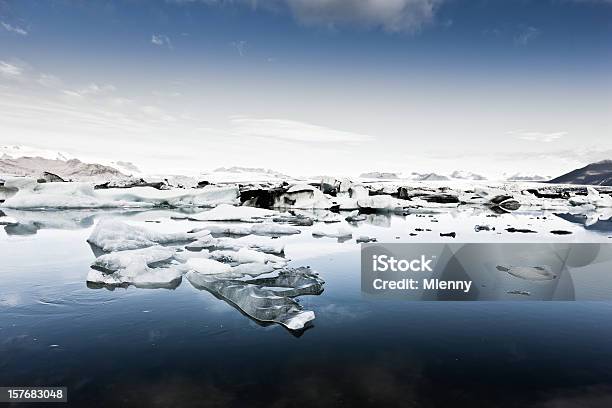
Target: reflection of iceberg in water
(267,300)
(601,222)
(29,222)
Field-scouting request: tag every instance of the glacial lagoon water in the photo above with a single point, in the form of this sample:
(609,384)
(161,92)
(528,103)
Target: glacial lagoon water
(185,347)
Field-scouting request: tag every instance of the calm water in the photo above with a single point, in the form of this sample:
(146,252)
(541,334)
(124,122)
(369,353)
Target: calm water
(184,347)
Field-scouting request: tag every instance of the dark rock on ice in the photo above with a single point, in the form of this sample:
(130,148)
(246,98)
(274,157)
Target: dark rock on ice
(560,232)
(520,230)
(441,198)
(297,220)
(48,177)
(448,234)
(504,203)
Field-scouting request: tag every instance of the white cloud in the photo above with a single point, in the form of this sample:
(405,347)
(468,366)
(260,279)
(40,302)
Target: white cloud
(91,89)
(49,81)
(526,35)
(390,15)
(292,130)
(161,40)
(10,71)
(544,137)
(240,46)
(13,29)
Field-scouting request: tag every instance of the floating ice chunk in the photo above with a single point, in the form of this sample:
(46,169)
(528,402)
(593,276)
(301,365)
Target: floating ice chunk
(248,255)
(302,196)
(245,255)
(258,303)
(6,220)
(205,266)
(225,212)
(122,260)
(345,203)
(342,232)
(31,194)
(145,277)
(593,197)
(206,241)
(113,235)
(253,269)
(273,229)
(292,282)
(537,273)
(134,267)
(256,229)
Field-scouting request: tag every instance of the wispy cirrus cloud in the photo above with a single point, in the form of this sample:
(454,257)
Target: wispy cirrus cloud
(90,89)
(161,40)
(10,71)
(292,130)
(240,46)
(13,29)
(544,137)
(526,34)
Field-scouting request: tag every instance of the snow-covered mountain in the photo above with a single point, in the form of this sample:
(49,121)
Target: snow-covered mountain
(17,151)
(525,177)
(23,160)
(379,175)
(597,174)
(72,169)
(466,175)
(238,174)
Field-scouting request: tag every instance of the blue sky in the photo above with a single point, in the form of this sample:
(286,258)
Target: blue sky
(352,85)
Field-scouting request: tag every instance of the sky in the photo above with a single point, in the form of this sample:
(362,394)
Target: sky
(311,87)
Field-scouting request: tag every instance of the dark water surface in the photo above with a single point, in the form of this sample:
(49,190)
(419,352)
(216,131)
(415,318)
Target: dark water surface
(184,347)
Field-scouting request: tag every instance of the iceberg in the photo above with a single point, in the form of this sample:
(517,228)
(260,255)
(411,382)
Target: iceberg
(205,266)
(30,194)
(112,235)
(135,267)
(226,212)
(301,196)
(342,232)
(256,229)
(256,301)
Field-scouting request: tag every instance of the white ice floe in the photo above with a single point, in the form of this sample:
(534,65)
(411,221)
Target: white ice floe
(266,228)
(593,197)
(31,194)
(246,255)
(341,232)
(253,269)
(6,220)
(225,212)
(123,259)
(271,247)
(207,266)
(134,267)
(302,196)
(113,235)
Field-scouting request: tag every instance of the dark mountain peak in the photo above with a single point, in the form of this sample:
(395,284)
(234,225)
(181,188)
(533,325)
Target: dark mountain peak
(596,174)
